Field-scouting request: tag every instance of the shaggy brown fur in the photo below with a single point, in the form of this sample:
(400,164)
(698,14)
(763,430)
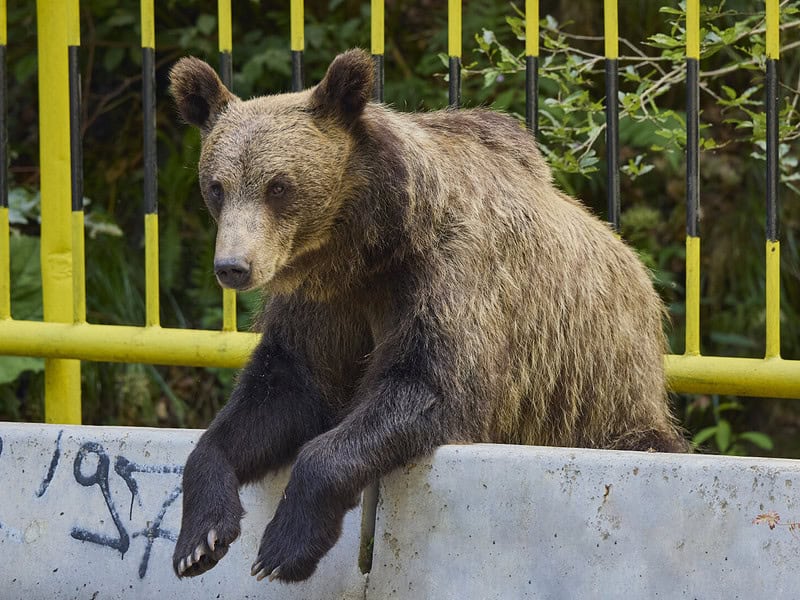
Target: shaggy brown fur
(427,284)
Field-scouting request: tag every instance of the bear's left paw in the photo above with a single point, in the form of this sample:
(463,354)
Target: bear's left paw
(293,545)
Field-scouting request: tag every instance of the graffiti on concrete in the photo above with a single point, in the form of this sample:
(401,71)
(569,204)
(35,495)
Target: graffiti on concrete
(92,468)
(125,469)
(52,468)
(92,452)
(100,479)
(153,531)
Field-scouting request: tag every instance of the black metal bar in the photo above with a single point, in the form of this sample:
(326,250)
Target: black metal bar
(773,173)
(532,94)
(75,145)
(455,81)
(692,148)
(149,126)
(377,92)
(612,141)
(297,71)
(3,130)
(226,68)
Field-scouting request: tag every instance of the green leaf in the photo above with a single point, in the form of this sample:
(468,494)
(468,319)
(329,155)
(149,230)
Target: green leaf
(26,291)
(12,366)
(704,435)
(661,40)
(481,43)
(723,406)
(708,143)
(23,206)
(762,440)
(723,435)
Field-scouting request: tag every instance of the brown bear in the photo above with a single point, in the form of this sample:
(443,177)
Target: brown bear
(425,284)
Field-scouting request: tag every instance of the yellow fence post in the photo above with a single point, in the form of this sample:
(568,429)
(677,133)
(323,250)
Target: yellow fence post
(297,43)
(226,74)
(611,68)
(692,178)
(377,38)
(76,159)
(532,66)
(5,255)
(152,310)
(454,51)
(773,247)
(62,377)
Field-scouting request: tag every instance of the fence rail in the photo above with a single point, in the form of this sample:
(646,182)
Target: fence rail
(64,337)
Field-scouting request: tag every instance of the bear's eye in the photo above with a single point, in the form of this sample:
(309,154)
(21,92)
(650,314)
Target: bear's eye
(276,189)
(215,189)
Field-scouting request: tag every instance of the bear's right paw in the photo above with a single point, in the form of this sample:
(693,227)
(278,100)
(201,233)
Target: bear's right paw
(199,548)
(205,555)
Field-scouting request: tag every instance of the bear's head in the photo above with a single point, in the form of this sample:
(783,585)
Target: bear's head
(274,170)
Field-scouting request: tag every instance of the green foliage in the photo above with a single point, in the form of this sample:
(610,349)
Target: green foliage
(572,121)
(16,372)
(26,301)
(722,435)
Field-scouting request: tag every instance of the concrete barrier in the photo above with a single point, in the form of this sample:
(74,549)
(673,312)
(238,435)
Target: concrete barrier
(499,522)
(93,513)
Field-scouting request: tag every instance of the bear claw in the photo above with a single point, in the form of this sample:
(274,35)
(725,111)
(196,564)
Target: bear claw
(260,572)
(255,568)
(198,552)
(201,550)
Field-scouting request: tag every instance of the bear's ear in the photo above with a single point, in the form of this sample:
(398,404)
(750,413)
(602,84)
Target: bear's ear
(198,92)
(346,88)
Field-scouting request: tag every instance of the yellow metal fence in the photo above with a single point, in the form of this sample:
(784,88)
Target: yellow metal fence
(64,337)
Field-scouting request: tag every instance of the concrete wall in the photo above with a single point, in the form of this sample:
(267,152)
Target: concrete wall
(510,522)
(92,513)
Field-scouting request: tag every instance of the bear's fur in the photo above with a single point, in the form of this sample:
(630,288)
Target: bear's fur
(426,283)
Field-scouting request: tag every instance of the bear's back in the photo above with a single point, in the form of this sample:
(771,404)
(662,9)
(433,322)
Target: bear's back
(547,304)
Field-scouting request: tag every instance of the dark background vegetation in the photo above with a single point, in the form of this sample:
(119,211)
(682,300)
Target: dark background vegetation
(732,186)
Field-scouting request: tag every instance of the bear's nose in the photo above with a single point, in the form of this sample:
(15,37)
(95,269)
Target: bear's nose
(232,272)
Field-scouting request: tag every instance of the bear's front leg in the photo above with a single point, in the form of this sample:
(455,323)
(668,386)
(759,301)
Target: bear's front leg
(274,409)
(402,418)
(211,510)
